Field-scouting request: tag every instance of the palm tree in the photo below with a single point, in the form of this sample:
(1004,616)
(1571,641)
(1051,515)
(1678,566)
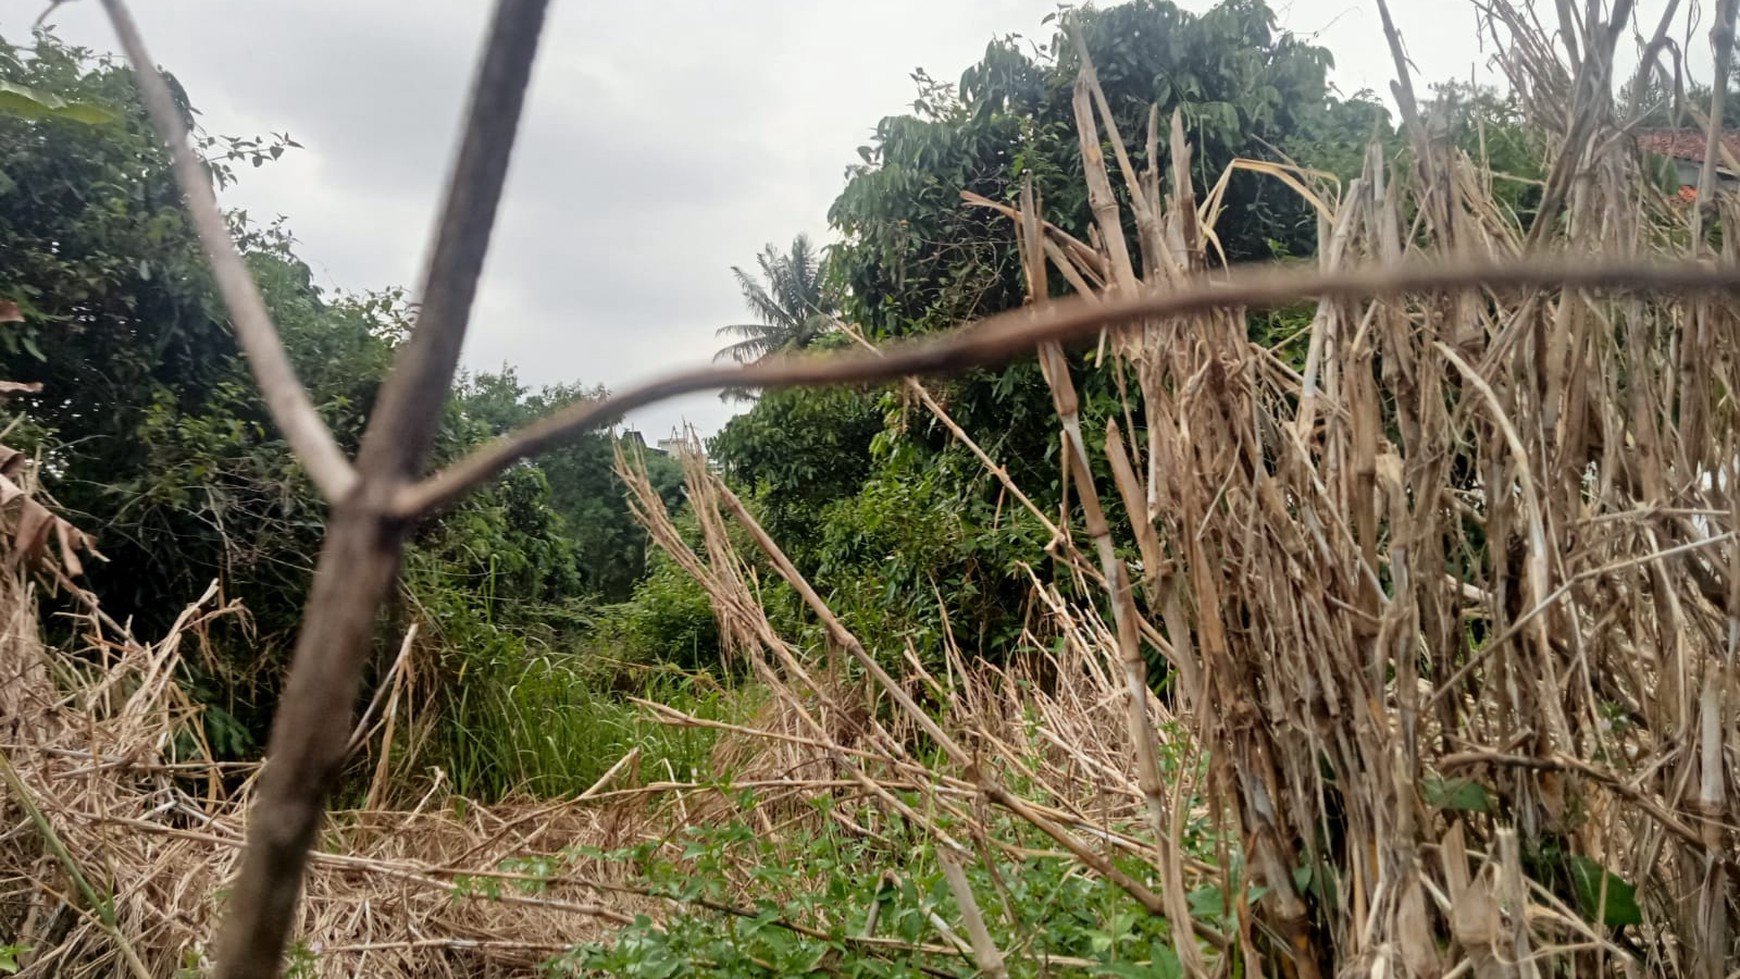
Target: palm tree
(791,308)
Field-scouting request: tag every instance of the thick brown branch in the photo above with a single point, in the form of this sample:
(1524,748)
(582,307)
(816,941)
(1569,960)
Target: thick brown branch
(310,735)
(364,543)
(1010,335)
(285,397)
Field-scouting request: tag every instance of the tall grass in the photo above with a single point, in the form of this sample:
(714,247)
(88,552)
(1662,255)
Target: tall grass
(549,724)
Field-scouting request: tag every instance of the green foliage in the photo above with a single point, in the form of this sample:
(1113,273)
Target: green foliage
(148,422)
(1489,127)
(1602,895)
(579,500)
(29,103)
(800,450)
(815,890)
(903,534)
(914,259)
(912,550)
(1461,794)
(302,962)
(669,620)
(154,434)
(519,717)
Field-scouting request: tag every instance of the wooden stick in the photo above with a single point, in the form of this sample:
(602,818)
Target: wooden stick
(1008,336)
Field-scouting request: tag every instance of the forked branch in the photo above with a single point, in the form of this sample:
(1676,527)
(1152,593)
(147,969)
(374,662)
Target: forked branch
(359,560)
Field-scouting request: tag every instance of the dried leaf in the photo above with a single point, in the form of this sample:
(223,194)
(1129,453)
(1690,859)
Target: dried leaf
(1474,918)
(1414,934)
(32,523)
(9,312)
(30,539)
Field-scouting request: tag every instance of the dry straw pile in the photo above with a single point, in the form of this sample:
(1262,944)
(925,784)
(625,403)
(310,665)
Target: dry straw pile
(1464,585)
(121,833)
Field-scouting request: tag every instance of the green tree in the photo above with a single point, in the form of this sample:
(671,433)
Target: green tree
(155,437)
(149,424)
(914,259)
(792,309)
(583,491)
(148,418)
(801,450)
(922,530)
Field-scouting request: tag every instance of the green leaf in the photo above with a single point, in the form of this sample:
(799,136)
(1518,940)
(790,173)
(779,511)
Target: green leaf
(1164,966)
(1207,902)
(30,103)
(1620,907)
(1462,794)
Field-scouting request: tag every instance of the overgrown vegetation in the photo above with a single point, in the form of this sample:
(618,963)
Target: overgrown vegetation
(154,436)
(1371,635)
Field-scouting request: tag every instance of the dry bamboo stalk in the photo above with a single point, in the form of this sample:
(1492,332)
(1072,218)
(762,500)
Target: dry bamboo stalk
(378,786)
(985,951)
(993,790)
(1100,197)
(1055,368)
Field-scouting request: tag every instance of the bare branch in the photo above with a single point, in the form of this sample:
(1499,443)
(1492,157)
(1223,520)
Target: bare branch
(1005,337)
(409,411)
(360,560)
(1722,44)
(284,393)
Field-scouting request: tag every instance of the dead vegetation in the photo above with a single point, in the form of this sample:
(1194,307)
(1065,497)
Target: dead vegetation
(1459,594)
(1462,591)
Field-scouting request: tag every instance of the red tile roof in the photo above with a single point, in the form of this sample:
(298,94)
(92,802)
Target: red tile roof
(1684,144)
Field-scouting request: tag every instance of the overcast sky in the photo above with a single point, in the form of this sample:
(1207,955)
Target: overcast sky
(663,143)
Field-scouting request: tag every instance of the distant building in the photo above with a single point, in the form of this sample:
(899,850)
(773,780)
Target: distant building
(1684,148)
(664,447)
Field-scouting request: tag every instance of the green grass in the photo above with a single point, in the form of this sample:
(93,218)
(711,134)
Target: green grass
(552,724)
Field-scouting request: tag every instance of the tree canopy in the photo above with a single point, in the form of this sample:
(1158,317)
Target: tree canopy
(914,258)
(155,437)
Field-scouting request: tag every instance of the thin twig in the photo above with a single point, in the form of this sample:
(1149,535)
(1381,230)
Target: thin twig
(999,339)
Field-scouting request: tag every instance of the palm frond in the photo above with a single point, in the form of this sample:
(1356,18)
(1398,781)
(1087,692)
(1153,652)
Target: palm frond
(745,330)
(761,303)
(788,298)
(744,351)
